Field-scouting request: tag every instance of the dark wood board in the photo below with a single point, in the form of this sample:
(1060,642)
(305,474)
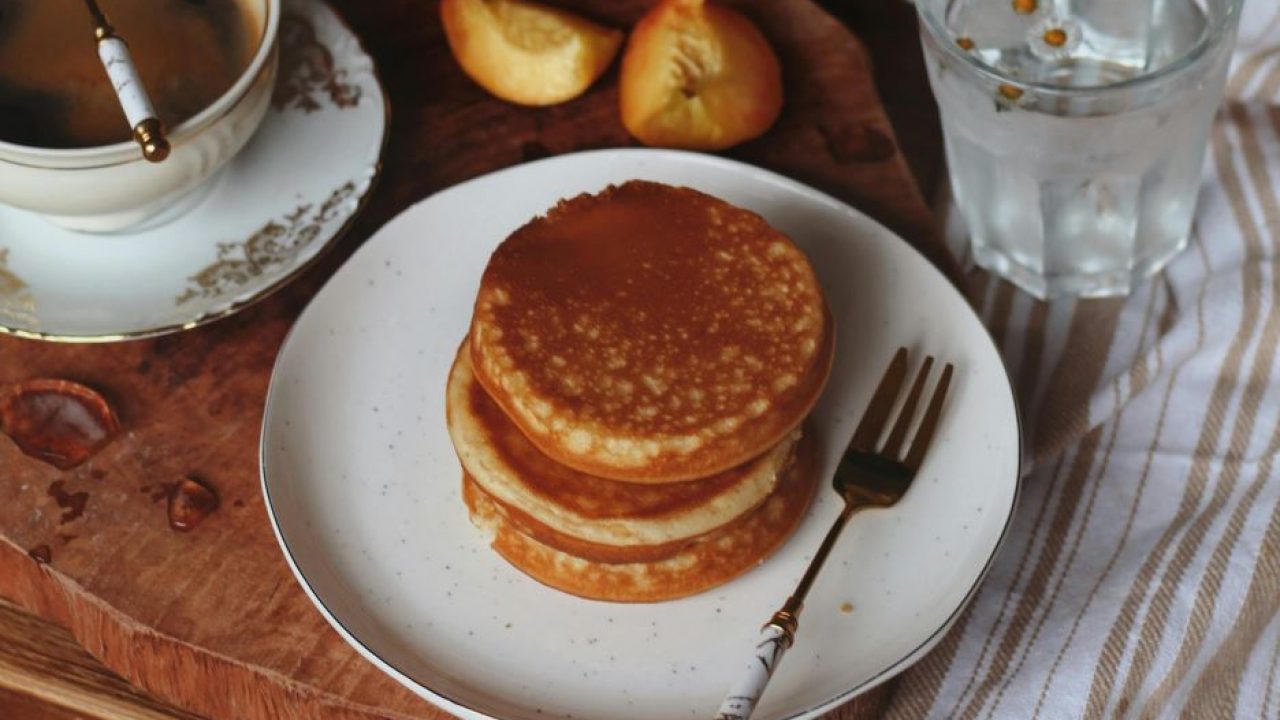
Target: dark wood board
(212,620)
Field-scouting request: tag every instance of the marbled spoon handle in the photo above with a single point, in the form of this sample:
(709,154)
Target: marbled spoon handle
(745,693)
(148,131)
(118,62)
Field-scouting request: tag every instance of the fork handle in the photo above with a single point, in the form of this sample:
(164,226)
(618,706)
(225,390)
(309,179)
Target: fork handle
(778,634)
(741,700)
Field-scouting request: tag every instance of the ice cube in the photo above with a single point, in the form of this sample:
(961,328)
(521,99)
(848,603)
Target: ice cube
(993,23)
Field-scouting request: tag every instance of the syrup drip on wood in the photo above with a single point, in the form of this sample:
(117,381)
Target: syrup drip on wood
(58,421)
(160,492)
(190,502)
(72,504)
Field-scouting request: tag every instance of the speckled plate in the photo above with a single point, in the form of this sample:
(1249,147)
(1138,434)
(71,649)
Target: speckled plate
(275,207)
(362,483)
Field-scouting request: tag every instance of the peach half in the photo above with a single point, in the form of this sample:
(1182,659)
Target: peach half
(527,53)
(698,76)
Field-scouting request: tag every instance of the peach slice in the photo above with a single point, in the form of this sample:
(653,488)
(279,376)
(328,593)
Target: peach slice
(698,76)
(527,53)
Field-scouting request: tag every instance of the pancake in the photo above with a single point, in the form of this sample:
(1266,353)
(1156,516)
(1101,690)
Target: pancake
(703,564)
(594,517)
(651,334)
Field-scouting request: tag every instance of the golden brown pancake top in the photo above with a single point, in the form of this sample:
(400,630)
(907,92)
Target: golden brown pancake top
(651,333)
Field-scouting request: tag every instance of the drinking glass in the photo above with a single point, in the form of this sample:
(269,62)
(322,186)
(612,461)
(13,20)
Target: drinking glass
(1076,130)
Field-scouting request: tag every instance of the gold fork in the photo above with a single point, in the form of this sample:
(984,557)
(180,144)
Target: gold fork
(870,475)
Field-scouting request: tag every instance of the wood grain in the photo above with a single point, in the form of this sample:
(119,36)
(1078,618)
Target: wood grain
(44,663)
(212,620)
(887,29)
(18,705)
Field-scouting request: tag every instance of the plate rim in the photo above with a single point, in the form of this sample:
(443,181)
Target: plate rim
(374,174)
(451,705)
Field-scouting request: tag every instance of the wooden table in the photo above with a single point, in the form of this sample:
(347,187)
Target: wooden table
(45,674)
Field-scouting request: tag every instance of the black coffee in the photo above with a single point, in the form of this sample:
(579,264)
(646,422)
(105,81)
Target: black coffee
(54,92)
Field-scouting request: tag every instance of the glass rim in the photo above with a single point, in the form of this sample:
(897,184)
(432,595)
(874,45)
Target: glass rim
(943,37)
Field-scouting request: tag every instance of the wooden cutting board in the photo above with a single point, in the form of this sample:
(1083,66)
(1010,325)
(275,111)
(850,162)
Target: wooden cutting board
(212,620)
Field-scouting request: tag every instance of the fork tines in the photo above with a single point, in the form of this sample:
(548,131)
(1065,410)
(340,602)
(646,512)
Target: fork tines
(866,438)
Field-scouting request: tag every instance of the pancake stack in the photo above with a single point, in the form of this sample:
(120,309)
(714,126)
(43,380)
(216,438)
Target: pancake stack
(628,405)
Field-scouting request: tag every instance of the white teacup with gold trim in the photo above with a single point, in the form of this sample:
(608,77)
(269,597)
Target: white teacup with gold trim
(66,150)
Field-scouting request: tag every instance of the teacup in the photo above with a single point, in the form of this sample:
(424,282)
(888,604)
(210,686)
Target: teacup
(108,188)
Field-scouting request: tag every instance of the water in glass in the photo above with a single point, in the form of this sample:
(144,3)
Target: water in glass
(1076,129)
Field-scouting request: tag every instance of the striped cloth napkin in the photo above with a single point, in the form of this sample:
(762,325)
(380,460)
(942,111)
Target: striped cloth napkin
(1142,575)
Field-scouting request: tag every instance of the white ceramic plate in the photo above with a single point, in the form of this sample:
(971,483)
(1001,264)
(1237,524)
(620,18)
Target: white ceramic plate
(363,486)
(275,207)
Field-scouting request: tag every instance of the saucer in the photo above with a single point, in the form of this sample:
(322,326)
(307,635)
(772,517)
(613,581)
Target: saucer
(271,212)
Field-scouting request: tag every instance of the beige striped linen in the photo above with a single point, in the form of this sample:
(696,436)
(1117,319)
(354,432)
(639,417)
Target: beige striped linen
(1141,578)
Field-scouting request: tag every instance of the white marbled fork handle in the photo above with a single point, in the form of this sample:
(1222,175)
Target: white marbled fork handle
(741,701)
(779,633)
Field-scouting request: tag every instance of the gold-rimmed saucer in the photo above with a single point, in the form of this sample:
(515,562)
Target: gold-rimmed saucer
(271,212)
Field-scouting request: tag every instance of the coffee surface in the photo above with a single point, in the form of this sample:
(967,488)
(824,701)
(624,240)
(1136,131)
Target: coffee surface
(55,93)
